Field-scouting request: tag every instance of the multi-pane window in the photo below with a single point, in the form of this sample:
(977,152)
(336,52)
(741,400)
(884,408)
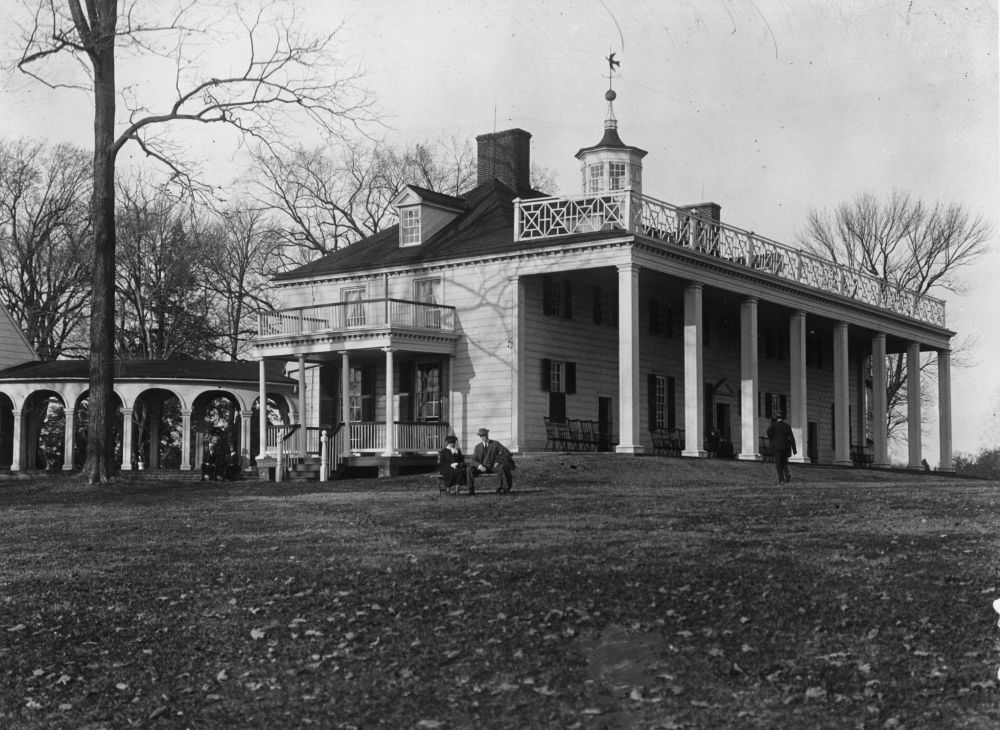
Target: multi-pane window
(660,401)
(616,176)
(559,379)
(634,176)
(773,403)
(774,347)
(661,317)
(428,291)
(595,180)
(361,392)
(557,297)
(409,227)
(428,387)
(354,306)
(604,307)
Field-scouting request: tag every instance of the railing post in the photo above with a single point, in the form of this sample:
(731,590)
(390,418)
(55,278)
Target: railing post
(517,219)
(324,456)
(278,468)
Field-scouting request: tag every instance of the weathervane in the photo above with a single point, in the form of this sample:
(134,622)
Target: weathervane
(612,65)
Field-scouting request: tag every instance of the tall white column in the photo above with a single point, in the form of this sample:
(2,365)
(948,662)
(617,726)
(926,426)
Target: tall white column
(17,455)
(126,439)
(841,396)
(749,381)
(913,425)
(302,406)
(517,359)
(69,440)
(262,411)
(155,413)
(628,360)
(390,405)
(694,378)
(798,403)
(245,425)
(186,439)
(879,403)
(944,409)
(345,397)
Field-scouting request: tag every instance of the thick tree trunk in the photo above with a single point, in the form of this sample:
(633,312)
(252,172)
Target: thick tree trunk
(99,466)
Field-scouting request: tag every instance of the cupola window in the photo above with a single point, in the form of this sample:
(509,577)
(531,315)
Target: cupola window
(616,175)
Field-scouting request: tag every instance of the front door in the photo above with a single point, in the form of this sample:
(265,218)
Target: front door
(605,424)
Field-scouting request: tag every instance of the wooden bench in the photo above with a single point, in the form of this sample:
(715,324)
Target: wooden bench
(667,442)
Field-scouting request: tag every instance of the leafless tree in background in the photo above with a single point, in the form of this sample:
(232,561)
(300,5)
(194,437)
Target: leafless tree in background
(911,244)
(45,242)
(277,70)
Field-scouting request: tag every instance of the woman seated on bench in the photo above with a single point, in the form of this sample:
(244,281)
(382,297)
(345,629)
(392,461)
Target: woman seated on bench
(451,465)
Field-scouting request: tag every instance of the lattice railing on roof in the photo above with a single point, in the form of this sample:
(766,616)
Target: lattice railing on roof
(627,211)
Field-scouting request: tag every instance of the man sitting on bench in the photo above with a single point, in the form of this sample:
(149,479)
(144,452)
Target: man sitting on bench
(490,457)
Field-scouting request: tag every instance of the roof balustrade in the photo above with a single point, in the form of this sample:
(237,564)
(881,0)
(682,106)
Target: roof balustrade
(639,214)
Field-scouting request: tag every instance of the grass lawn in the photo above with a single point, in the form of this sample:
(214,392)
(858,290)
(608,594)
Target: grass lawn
(604,592)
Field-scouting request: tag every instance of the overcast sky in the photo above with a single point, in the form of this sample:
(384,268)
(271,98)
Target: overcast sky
(767,107)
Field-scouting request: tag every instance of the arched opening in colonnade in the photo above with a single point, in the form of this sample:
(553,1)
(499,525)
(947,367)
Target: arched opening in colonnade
(6,431)
(157,429)
(82,426)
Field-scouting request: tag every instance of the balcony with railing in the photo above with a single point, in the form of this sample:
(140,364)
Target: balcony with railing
(357,317)
(627,211)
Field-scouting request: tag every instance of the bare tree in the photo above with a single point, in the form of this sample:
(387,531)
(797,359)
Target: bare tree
(239,251)
(329,197)
(283,70)
(44,238)
(163,310)
(905,242)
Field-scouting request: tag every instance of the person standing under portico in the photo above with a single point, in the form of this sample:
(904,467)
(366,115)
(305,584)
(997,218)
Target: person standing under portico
(490,457)
(782,441)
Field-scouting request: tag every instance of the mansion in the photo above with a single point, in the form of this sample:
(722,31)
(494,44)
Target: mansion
(511,309)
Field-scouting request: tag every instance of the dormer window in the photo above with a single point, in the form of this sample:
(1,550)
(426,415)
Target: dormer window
(409,225)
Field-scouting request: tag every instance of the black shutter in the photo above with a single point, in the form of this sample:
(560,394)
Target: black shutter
(671,404)
(767,406)
(567,300)
(570,384)
(547,295)
(598,316)
(783,404)
(668,322)
(654,316)
(546,373)
(651,400)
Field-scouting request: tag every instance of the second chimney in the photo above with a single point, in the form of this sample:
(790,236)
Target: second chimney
(506,156)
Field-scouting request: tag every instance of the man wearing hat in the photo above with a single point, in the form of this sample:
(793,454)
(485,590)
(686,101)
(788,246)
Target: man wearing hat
(490,457)
(782,441)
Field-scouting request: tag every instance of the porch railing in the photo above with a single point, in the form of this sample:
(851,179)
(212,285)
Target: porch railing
(357,315)
(369,437)
(640,214)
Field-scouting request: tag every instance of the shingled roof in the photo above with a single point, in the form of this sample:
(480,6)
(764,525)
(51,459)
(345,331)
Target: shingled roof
(485,227)
(218,370)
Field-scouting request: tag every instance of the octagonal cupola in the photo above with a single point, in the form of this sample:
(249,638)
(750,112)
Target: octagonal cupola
(611,165)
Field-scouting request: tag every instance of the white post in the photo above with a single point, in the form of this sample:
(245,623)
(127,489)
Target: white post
(262,411)
(798,395)
(913,405)
(278,471)
(749,381)
(879,405)
(324,456)
(390,406)
(302,407)
(126,439)
(694,378)
(841,396)
(19,450)
(186,439)
(69,440)
(345,397)
(944,409)
(245,424)
(628,359)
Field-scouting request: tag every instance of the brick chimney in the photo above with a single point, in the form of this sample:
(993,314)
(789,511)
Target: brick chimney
(506,156)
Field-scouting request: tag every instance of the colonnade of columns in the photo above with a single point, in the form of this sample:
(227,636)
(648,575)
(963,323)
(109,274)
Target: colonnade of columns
(798,402)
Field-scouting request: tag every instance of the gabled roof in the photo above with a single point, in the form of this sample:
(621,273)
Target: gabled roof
(486,227)
(431,197)
(221,371)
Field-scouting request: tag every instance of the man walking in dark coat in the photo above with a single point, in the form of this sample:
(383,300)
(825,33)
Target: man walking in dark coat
(782,441)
